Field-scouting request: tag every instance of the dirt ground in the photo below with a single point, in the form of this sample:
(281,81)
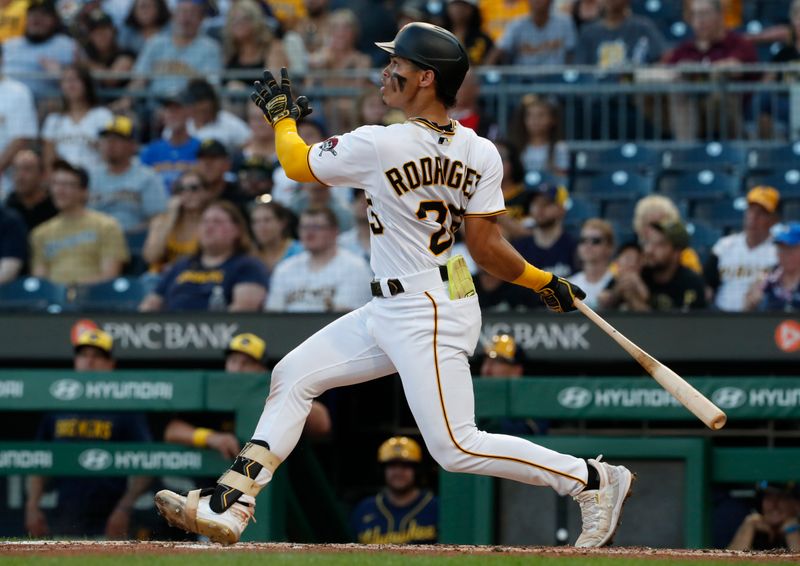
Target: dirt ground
(66,548)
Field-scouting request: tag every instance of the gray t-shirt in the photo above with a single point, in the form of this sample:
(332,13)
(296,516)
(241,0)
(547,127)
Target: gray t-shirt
(636,42)
(160,56)
(21,58)
(132,198)
(526,44)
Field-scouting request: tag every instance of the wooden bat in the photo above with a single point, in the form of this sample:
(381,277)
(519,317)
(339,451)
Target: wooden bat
(691,398)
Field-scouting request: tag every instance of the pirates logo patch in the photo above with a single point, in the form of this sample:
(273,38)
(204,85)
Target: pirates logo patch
(329,145)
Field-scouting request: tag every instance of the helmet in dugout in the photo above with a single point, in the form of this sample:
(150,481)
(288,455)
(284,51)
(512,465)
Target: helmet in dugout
(435,48)
(400,449)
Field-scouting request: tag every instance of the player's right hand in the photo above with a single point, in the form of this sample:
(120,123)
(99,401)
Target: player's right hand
(276,101)
(559,295)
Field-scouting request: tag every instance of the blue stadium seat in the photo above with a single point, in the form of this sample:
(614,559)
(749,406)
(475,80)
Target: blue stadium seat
(120,294)
(629,156)
(535,178)
(773,12)
(137,265)
(724,214)
(658,10)
(579,210)
(787,182)
(791,209)
(698,186)
(620,212)
(713,155)
(703,237)
(33,294)
(768,159)
(618,185)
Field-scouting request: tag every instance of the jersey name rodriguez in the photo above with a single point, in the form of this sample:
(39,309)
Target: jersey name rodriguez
(429,171)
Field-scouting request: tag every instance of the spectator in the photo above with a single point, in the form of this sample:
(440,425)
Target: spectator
(656,209)
(620,38)
(249,44)
(88,506)
(356,239)
(246,353)
(325,277)
(171,59)
(627,280)
(317,195)
(401,513)
(314,27)
(541,38)
(585,12)
(595,248)
(220,276)
(30,198)
(214,164)
(719,49)
(781,289)
(12,18)
(42,50)
(503,358)
(777,523)
(13,244)
(176,151)
(77,245)
(173,234)
(18,118)
(498,14)
(207,119)
(72,134)
(102,50)
(255,177)
(516,197)
(146,19)
(497,295)
(272,228)
(120,185)
(467,110)
(262,137)
(463,18)
(285,189)
(668,286)
(535,130)
(739,260)
(339,54)
(549,247)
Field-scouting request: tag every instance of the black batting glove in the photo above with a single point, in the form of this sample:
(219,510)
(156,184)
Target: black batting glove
(276,101)
(559,295)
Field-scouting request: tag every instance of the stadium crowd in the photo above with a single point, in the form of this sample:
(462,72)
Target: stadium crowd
(132,172)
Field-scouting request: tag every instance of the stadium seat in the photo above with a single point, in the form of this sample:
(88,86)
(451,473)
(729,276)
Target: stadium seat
(629,156)
(579,210)
(791,209)
(703,237)
(787,182)
(700,185)
(620,212)
(724,214)
(713,155)
(534,178)
(769,159)
(137,265)
(33,294)
(618,185)
(120,294)
(773,12)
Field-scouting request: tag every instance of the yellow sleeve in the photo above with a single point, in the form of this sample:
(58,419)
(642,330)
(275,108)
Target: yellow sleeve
(690,259)
(293,152)
(533,278)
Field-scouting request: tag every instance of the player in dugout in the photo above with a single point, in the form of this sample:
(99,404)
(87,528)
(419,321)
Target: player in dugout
(401,513)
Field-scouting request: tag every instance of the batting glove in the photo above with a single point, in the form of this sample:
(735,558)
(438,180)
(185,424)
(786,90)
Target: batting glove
(559,295)
(276,101)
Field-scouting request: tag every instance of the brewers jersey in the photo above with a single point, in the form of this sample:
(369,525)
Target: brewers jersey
(421,181)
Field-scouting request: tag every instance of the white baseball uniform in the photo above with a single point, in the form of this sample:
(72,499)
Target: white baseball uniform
(739,267)
(421,181)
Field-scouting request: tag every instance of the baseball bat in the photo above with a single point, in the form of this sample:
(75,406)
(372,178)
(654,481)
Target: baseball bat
(689,397)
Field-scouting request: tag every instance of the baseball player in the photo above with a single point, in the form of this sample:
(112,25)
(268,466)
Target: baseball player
(423,178)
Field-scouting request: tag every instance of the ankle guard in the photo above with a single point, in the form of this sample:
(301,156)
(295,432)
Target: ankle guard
(241,478)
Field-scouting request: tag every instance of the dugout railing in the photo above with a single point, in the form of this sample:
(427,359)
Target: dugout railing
(468,503)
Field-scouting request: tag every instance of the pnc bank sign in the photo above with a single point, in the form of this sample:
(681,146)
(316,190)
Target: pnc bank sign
(154,335)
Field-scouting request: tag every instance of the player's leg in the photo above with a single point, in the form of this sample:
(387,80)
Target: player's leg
(438,386)
(342,353)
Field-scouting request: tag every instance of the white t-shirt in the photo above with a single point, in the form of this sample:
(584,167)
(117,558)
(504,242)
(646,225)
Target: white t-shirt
(739,267)
(536,157)
(75,141)
(228,129)
(422,182)
(592,289)
(341,285)
(17,119)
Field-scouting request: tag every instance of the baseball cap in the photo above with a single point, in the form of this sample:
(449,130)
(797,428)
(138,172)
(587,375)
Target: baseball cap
(248,344)
(43,5)
(97,19)
(766,196)
(675,232)
(504,347)
(400,448)
(257,163)
(212,148)
(788,234)
(557,193)
(95,338)
(174,97)
(121,126)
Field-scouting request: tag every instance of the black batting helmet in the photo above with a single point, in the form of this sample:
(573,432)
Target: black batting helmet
(434,48)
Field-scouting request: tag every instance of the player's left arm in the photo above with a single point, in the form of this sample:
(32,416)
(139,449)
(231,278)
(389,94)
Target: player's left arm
(495,255)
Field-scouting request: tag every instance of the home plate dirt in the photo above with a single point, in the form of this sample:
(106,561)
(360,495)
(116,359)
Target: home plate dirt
(67,548)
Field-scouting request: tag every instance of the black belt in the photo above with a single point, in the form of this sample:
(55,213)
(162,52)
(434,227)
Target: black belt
(396,287)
